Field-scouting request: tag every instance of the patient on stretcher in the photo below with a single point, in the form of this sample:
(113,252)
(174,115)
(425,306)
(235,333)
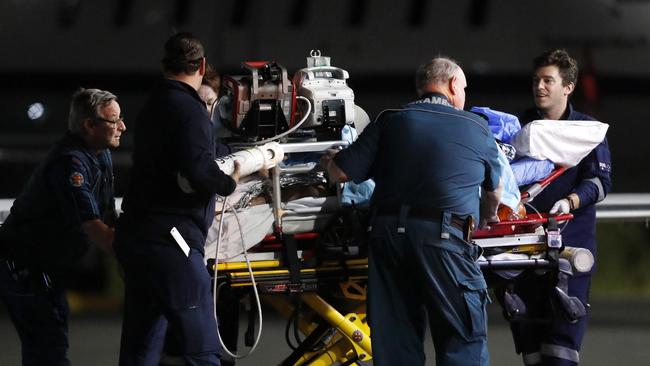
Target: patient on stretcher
(305,196)
(309,202)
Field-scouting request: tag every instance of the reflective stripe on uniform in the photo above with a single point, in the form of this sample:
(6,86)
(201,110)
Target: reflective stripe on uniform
(599,184)
(556,351)
(531,359)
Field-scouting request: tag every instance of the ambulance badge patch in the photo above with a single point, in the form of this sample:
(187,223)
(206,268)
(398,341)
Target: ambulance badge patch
(604,167)
(76,179)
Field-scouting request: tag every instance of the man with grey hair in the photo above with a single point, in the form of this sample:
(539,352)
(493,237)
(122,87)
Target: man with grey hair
(429,160)
(66,206)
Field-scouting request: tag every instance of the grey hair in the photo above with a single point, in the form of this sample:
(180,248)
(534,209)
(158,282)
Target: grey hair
(85,104)
(437,70)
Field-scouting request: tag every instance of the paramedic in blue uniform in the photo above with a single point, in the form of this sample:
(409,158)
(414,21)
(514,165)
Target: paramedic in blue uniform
(228,324)
(429,161)
(173,185)
(66,206)
(576,191)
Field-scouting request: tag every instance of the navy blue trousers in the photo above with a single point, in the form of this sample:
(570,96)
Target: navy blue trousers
(165,289)
(557,341)
(416,275)
(39,313)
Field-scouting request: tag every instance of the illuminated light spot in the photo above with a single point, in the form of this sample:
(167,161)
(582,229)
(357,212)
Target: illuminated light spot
(35,111)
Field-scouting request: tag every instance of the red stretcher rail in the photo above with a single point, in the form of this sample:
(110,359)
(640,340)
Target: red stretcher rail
(534,189)
(526,225)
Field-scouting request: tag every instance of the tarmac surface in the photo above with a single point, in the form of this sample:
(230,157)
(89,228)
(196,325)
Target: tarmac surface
(619,334)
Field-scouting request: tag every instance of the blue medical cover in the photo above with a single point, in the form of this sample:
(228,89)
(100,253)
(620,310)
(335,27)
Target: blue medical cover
(528,170)
(503,125)
(359,194)
(510,195)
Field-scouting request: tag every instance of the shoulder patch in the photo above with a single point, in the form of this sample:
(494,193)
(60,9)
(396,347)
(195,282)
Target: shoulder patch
(76,179)
(604,167)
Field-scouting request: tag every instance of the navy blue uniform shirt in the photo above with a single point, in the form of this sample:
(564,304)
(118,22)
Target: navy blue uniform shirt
(590,180)
(428,154)
(72,185)
(173,136)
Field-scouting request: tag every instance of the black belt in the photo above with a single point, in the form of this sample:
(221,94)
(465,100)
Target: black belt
(422,213)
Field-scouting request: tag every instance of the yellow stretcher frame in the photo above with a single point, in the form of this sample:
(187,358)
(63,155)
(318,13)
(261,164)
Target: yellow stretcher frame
(351,341)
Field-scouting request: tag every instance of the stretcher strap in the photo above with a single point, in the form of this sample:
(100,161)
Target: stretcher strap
(290,254)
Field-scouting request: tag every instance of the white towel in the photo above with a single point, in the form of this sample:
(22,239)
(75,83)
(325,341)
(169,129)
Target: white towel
(563,142)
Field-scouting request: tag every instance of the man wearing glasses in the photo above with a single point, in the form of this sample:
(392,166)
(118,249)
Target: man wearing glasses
(66,206)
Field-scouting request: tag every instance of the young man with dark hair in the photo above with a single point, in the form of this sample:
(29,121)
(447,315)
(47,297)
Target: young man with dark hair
(168,209)
(577,191)
(66,206)
(554,80)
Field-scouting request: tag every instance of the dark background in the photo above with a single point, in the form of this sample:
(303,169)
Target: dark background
(51,48)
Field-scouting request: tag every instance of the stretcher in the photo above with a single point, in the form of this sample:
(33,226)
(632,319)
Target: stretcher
(317,279)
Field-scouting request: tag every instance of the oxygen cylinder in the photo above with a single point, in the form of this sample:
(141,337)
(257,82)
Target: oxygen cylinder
(252,159)
(581,259)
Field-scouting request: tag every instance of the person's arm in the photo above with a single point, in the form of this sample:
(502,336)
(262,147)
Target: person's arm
(492,185)
(70,181)
(356,161)
(236,171)
(196,156)
(489,205)
(594,181)
(333,171)
(221,150)
(595,177)
(99,234)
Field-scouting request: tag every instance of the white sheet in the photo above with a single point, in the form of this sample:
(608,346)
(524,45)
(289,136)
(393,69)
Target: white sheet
(256,223)
(563,142)
(306,214)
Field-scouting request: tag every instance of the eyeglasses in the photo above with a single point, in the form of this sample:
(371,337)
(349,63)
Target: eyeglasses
(114,124)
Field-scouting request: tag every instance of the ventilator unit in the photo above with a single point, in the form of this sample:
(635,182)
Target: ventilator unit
(260,104)
(331,98)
